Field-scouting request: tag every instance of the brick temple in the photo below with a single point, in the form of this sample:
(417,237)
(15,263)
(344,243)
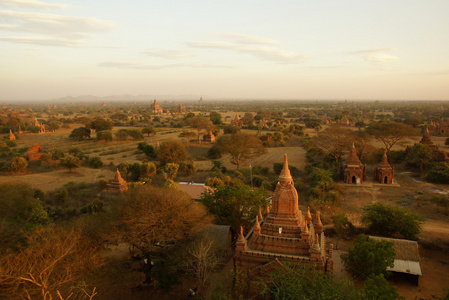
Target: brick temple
(353,171)
(384,173)
(284,235)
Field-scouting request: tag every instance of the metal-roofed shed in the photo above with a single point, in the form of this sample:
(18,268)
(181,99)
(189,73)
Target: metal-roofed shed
(407,258)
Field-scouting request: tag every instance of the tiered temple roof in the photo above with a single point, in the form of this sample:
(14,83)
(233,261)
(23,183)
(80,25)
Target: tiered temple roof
(285,234)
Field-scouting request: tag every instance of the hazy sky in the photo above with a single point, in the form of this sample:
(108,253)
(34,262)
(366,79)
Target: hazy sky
(326,49)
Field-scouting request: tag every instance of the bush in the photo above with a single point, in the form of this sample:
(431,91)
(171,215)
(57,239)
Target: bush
(148,149)
(437,172)
(390,221)
(368,257)
(94,162)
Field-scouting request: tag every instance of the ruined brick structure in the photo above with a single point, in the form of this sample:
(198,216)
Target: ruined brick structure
(12,137)
(237,121)
(118,184)
(156,108)
(426,140)
(440,127)
(34,153)
(284,235)
(209,137)
(353,171)
(384,173)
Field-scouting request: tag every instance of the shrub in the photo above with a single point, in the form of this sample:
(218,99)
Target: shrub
(94,162)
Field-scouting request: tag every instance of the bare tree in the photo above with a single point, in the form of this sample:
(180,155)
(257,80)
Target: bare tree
(47,267)
(241,147)
(334,140)
(201,124)
(152,218)
(203,260)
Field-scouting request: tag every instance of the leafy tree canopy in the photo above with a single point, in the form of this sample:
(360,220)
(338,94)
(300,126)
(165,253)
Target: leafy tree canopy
(368,257)
(391,221)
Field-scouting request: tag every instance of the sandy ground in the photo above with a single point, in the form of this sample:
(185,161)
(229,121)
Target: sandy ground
(53,180)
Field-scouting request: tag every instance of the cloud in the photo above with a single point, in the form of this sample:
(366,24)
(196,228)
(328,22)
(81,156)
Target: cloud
(32,52)
(51,29)
(369,51)
(245,44)
(246,39)
(140,66)
(43,41)
(168,54)
(51,24)
(33,4)
(376,56)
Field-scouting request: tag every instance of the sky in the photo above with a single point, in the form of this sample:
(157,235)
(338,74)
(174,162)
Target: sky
(245,49)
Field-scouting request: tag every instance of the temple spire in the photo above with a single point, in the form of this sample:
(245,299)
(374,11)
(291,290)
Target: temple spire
(285,173)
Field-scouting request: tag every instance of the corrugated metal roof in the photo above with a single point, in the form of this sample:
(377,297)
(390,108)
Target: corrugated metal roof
(407,256)
(406,266)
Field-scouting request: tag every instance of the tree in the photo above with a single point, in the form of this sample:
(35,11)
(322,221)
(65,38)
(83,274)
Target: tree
(57,153)
(170,171)
(390,132)
(104,135)
(391,221)
(76,151)
(438,172)
(188,167)
(154,218)
(215,118)
(295,281)
(141,171)
(334,140)
(203,261)
(171,151)
(80,133)
(323,190)
(148,130)
(377,287)
(241,147)
(18,164)
(70,162)
(135,134)
(234,205)
(342,226)
(101,124)
(368,257)
(147,149)
(121,135)
(21,209)
(49,266)
(54,126)
(247,119)
(201,124)
(360,124)
(419,155)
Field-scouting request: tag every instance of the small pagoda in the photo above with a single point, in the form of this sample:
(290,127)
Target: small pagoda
(12,137)
(384,173)
(285,235)
(237,121)
(353,171)
(209,137)
(118,184)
